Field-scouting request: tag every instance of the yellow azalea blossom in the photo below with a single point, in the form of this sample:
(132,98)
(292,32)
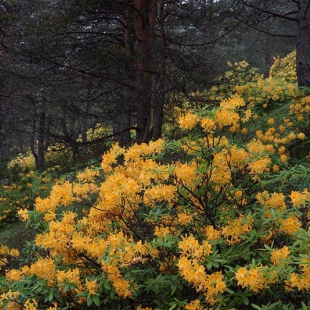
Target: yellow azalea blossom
(299,199)
(212,233)
(279,256)
(301,136)
(92,287)
(254,278)
(260,166)
(30,304)
(161,231)
(14,275)
(184,218)
(290,225)
(221,172)
(71,276)
(49,216)
(23,214)
(237,228)
(194,305)
(188,121)
(283,158)
(275,168)
(208,124)
(190,247)
(274,200)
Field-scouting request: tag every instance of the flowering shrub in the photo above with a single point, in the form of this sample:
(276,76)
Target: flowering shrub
(214,220)
(246,82)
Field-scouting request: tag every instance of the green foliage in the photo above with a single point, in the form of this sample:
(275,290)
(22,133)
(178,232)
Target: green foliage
(215,219)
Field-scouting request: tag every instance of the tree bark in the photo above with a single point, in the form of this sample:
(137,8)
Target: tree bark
(303,44)
(161,79)
(144,25)
(121,129)
(38,138)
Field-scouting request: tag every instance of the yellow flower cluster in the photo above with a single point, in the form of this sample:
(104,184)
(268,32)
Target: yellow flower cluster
(299,199)
(300,109)
(255,279)
(285,68)
(210,284)
(6,255)
(301,282)
(280,256)
(191,248)
(57,240)
(61,194)
(186,173)
(290,225)
(227,114)
(194,305)
(237,228)
(260,166)
(92,287)
(30,304)
(188,121)
(283,223)
(212,234)
(43,268)
(10,297)
(121,285)
(191,268)
(272,201)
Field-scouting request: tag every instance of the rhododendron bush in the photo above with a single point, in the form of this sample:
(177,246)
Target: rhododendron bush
(215,220)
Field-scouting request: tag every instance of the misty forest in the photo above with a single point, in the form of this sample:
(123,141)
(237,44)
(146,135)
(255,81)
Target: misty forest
(154,154)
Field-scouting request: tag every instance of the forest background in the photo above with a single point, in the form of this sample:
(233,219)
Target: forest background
(201,110)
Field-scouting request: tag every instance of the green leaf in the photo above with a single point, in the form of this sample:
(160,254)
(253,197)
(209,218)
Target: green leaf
(96,300)
(304,306)
(246,301)
(89,300)
(50,296)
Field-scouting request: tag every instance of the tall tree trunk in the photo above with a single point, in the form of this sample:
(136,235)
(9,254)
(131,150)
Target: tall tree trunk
(7,115)
(41,139)
(161,79)
(303,44)
(121,129)
(122,121)
(145,27)
(38,137)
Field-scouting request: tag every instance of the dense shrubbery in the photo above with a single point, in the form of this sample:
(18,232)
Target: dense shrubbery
(215,220)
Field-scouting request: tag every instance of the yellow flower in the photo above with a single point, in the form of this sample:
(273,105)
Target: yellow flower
(299,199)
(161,231)
(290,225)
(279,256)
(237,228)
(30,304)
(275,168)
(48,217)
(92,287)
(254,278)
(260,166)
(188,121)
(194,305)
(184,218)
(23,214)
(207,124)
(301,136)
(212,233)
